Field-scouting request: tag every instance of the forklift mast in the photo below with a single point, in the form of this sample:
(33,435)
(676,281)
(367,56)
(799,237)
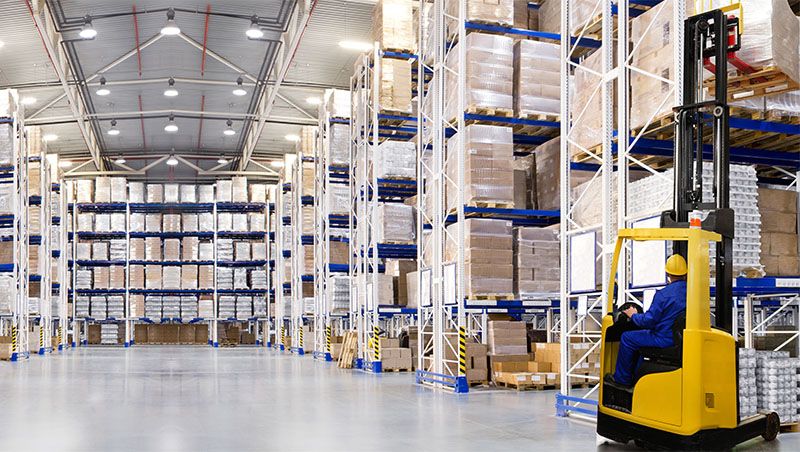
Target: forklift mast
(710,35)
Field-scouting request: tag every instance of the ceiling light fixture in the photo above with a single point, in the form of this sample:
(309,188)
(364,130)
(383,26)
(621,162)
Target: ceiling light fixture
(222,161)
(356,45)
(254,32)
(28,100)
(292,137)
(171,91)
(2,44)
(172,161)
(103,91)
(50,137)
(171,127)
(313,100)
(120,161)
(113,131)
(87,31)
(229,131)
(276,163)
(239,90)
(64,164)
(170,28)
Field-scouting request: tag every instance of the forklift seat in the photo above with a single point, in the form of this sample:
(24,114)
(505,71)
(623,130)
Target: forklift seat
(655,359)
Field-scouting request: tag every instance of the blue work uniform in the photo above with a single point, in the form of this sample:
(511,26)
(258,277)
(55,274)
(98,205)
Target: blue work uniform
(656,324)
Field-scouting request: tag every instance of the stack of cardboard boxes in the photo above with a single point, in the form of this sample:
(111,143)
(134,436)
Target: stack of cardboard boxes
(779,248)
(393,25)
(537,259)
(394,357)
(488,256)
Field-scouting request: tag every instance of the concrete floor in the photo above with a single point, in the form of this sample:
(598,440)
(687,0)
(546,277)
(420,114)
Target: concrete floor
(201,399)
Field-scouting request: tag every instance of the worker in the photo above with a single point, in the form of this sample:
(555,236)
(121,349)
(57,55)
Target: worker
(655,325)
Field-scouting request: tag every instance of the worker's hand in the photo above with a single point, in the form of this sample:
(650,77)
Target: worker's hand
(630,311)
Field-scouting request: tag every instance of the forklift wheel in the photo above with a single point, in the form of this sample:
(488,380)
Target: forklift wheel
(772,428)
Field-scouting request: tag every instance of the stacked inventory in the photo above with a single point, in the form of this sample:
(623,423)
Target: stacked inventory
(537,261)
(776,384)
(779,251)
(488,257)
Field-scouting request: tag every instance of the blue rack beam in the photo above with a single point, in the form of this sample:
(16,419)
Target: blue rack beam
(170,263)
(171,207)
(584,42)
(99,263)
(240,207)
(87,235)
(259,263)
(173,235)
(102,207)
(253,235)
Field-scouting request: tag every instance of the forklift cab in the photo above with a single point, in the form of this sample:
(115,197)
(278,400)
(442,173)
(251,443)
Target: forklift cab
(685,396)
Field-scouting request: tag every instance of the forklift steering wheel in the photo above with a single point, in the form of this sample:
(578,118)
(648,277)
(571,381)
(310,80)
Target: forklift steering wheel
(621,317)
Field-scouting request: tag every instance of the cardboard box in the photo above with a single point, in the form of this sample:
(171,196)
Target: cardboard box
(187,334)
(140,333)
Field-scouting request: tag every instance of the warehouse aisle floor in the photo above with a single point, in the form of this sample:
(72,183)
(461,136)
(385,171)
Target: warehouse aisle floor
(197,398)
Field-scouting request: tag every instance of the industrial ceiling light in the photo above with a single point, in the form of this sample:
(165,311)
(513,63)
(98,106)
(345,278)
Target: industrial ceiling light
(277,163)
(120,161)
(50,137)
(313,100)
(113,131)
(103,91)
(28,100)
(355,45)
(171,127)
(222,161)
(87,31)
(292,137)
(254,32)
(64,164)
(229,131)
(172,161)
(171,91)
(170,28)
(239,90)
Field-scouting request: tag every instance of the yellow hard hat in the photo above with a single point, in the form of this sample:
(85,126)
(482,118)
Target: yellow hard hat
(676,265)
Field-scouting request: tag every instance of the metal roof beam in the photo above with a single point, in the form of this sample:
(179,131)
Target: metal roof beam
(154,114)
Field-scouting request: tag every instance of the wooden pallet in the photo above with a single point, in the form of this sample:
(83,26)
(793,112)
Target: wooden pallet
(499,112)
(491,296)
(526,386)
(768,80)
(349,347)
(540,117)
(790,427)
(397,370)
(476,383)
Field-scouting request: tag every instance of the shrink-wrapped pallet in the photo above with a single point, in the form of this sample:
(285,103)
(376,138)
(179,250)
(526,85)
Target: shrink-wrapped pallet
(242,251)
(190,248)
(225,221)
(189,222)
(587,106)
(6,199)
(102,222)
(205,193)
(136,192)
(189,277)
(100,277)
(240,278)
(205,276)
(488,268)
(393,25)
(137,222)
(205,221)
(34,220)
(7,136)
(152,249)
(258,279)
(525,17)
(239,189)
(395,223)
(136,305)
(85,222)
(537,78)
(308,259)
(339,198)
(172,193)
(537,265)
(117,222)
(488,172)
(83,252)
(188,193)
(102,189)
(308,179)
(395,85)
(258,221)
(34,181)
(152,222)
(118,250)
(499,12)
(116,277)
(396,159)
(307,228)
(225,278)
(85,191)
(224,190)
(338,148)
(136,249)
(258,193)
(225,249)
(83,279)
(205,251)
(171,222)
(239,222)
(337,103)
(258,251)
(205,306)
(585,17)
(489,76)
(100,251)
(171,277)
(119,189)
(137,276)
(172,249)
(155,193)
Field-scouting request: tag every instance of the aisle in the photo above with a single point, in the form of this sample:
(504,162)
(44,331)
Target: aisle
(197,398)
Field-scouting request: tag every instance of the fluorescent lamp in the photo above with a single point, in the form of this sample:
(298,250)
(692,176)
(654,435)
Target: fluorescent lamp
(170,28)
(103,91)
(239,90)
(356,45)
(292,137)
(222,161)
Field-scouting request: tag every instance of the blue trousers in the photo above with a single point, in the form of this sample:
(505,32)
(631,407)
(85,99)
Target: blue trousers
(628,359)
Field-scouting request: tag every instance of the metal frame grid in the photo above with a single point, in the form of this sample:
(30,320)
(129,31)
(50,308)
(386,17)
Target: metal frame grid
(60,257)
(283,326)
(270,332)
(43,274)
(762,311)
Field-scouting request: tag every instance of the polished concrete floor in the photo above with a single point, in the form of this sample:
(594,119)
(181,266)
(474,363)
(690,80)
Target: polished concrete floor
(243,399)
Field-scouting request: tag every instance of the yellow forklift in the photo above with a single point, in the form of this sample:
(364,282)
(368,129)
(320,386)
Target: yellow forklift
(686,396)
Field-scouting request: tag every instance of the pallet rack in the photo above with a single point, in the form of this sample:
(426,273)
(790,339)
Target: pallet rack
(15,323)
(60,219)
(283,237)
(370,126)
(582,301)
(43,239)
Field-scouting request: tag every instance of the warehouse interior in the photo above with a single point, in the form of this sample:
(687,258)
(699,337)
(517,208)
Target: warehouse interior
(395,224)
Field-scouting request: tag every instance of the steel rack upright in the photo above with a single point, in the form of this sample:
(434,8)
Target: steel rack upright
(272,338)
(15,321)
(60,288)
(42,239)
(283,236)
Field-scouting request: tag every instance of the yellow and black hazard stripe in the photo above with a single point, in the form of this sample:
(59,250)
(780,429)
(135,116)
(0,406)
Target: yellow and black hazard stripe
(283,335)
(377,343)
(41,337)
(300,330)
(462,351)
(13,339)
(328,339)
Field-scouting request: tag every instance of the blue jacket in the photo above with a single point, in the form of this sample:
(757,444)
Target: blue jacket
(668,303)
